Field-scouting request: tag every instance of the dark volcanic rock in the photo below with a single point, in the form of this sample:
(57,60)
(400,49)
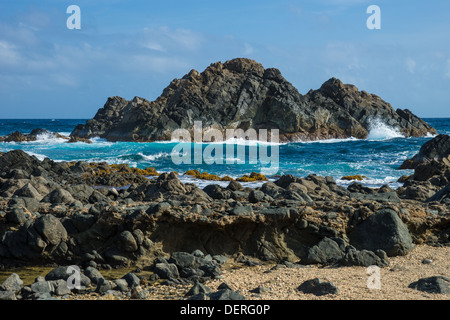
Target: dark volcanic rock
(17,136)
(335,251)
(59,195)
(63,273)
(93,274)
(434,149)
(7,295)
(442,195)
(197,289)
(325,252)
(50,229)
(13,283)
(217,192)
(382,230)
(431,170)
(103,286)
(364,258)
(132,280)
(318,287)
(226,294)
(18,159)
(17,216)
(240,93)
(436,284)
(166,270)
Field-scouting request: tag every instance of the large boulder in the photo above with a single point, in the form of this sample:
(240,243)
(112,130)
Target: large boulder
(166,270)
(431,170)
(327,251)
(437,149)
(17,216)
(58,195)
(126,242)
(51,229)
(383,230)
(17,159)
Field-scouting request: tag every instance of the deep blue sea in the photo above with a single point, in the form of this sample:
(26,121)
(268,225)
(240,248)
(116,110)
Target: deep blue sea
(376,157)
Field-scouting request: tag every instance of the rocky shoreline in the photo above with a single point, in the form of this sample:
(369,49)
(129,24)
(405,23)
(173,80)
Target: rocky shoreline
(54,214)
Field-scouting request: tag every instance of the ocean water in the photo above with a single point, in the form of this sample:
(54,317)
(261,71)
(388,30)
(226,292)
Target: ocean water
(377,157)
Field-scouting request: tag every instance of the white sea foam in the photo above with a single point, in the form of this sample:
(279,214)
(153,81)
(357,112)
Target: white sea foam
(235,141)
(373,182)
(37,155)
(381,131)
(153,157)
(332,140)
(241,141)
(97,138)
(48,138)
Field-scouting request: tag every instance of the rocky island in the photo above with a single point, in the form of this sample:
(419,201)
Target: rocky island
(241,93)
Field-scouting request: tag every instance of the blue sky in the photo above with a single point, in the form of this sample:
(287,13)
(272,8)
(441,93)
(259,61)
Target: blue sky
(135,48)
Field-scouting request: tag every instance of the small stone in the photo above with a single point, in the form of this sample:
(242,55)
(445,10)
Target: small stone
(318,287)
(17,216)
(436,284)
(260,289)
(166,270)
(198,288)
(200,296)
(139,293)
(7,295)
(226,294)
(221,259)
(93,274)
(198,253)
(61,288)
(12,283)
(427,261)
(121,284)
(42,287)
(224,286)
(103,286)
(132,280)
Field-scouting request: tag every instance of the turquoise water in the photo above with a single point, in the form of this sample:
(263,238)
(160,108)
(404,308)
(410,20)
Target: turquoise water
(377,157)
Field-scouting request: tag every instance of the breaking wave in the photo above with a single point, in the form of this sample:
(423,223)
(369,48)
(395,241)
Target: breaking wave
(381,131)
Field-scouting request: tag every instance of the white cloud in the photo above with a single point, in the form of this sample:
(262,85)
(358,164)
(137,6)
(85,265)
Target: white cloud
(8,54)
(410,65)
(154,46)
(65,79)
(447,69)
(248,49)
(342,54)
(164,39)
(149,63)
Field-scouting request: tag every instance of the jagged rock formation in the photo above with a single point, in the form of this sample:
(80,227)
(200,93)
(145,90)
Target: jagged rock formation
(431,172)
(240,93)
(17,136)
